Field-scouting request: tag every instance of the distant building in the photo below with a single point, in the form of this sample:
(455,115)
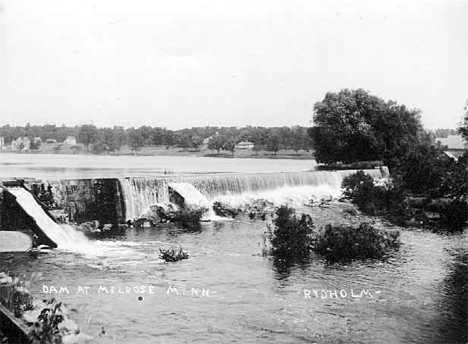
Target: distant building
(22,143)
(245,145)
(452,142)
(455,146)
(71,140)
(2,141)
(51,141)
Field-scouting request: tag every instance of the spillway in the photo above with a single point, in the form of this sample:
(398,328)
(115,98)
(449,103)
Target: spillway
(141,193)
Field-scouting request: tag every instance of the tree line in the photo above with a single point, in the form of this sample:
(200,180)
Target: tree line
(111,140)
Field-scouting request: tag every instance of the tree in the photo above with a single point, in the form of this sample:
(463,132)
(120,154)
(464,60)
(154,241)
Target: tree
(35,143)
(463,128)
(353,125)
(216,143)
(135,140)
(87,134)
(113,139)
(230,145)
(274,143)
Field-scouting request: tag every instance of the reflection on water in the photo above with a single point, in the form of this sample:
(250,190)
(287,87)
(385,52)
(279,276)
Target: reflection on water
(253,299)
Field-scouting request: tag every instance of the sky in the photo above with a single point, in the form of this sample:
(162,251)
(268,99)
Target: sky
(185,63)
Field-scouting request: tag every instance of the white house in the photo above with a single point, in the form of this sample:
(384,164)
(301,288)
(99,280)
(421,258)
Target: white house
(71,140)
(245,145)
(22,143)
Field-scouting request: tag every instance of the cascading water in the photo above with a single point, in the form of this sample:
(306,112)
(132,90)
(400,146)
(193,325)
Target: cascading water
(141,193)
(66,237)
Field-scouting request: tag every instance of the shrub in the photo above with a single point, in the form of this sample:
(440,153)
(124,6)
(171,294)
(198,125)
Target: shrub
(173,256)
(46,328)
(454,215)
(374,199)
(342,242)
(292,234)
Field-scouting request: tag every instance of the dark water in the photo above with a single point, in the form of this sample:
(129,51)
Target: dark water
(418,296)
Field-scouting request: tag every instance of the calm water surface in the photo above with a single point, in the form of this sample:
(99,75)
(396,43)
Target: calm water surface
(419,295)
(57,166)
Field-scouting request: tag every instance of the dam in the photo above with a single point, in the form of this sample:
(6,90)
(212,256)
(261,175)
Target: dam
(114,201)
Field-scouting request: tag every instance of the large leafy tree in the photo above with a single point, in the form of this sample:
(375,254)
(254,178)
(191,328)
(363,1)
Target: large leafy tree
(216,143)
(87,134)
(135,140)
(353,125)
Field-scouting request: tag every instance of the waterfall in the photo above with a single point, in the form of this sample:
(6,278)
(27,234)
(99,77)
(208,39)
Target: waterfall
(65,236)
(141,193)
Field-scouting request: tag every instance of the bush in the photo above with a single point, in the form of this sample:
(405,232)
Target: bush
(46,329)
(374,199)
(454,215)
(173,256)
(291,235)
(338,243)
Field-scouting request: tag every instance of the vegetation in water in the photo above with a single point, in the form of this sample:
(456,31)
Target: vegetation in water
(172,255)
(337,243)
(291,236)
(295,237)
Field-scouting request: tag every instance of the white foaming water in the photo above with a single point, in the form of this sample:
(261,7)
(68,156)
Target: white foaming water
(63,236)
(141,193)
(293,196)
(195,199)
(66,237)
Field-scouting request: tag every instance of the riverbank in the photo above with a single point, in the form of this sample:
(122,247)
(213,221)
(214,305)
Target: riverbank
(63,149)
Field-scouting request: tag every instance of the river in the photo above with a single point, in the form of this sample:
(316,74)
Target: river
(61,166)
(227,291)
